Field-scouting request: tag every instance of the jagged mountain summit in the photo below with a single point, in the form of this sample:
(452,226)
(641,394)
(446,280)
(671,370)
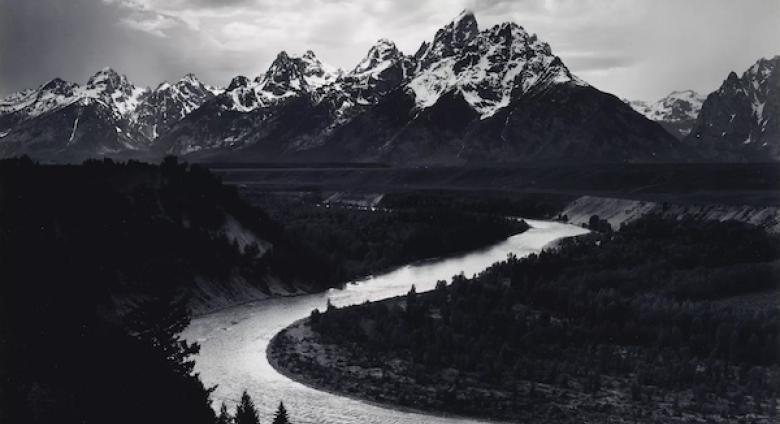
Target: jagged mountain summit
(290,110)
(498,94)
(468,95)
(168,103)
(253,110)
(677,112)
(287,77)
(741,120)
(383,69)
(449,41)
(490,69)
(109,116)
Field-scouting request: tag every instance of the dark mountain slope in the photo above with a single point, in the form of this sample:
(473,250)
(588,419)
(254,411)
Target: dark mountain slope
(741,120)
(149,228)
(569,123)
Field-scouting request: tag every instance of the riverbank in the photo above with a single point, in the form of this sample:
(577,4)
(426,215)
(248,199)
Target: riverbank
(234,341)
(395,382)
(300,354)
(279,349)
(513,344)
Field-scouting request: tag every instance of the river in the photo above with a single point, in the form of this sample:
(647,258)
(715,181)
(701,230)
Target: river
(233,341)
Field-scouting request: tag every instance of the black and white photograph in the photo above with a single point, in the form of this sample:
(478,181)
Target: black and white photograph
(389,211)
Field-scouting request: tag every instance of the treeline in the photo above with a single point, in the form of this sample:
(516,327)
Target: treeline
(246,413)
(527,205)
(350,243)
(649,308)
(74,240)
(153,226)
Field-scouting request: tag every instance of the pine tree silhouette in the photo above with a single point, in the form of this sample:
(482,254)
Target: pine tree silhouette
(281,415)
(224,416)
(246,413)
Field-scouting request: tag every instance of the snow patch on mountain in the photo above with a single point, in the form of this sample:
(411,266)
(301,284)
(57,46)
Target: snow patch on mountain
(287,77)
(17,101)
(675,107)
(126,101)
(492,67)
(740,119)
(317,73)
(449,40)
(380,57)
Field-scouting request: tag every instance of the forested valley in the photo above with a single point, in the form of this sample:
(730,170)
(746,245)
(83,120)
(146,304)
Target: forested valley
(354,242)
(98,264)
(662,320)
(76,242)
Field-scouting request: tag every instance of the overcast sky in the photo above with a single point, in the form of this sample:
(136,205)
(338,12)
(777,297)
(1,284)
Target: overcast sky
(640,49)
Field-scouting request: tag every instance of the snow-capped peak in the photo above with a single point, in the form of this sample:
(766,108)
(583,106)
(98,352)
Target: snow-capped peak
(52,95)
(59,86)
(464,27)
(113,89)
(465,14)
(380,56)
(286,77)
(282,76)
(761,70)
(105,86)
(190,83)
(450,39)
(283,79)
(169,103)
(315,72)
(17,101)
(487,68)
(108,80)
(238,81)
(679,105)
(760,83)
(289,74)
(190,77)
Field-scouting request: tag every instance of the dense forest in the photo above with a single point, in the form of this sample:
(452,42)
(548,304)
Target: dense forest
(527,205)
(74,240)
(661,320)
(354,242)
(151,226)
(98,263)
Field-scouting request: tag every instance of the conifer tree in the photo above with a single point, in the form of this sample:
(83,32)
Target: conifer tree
(224,416)
(281,415)
(158,322)
(246,413)
(411,298)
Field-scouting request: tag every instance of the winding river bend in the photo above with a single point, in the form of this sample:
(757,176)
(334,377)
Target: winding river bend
(233,341)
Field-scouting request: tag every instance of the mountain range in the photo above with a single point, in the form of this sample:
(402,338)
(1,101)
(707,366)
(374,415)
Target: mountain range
(677,112)
(741,120)
(469,95)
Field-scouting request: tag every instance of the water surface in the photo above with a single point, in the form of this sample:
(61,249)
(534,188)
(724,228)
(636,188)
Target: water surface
(233,341)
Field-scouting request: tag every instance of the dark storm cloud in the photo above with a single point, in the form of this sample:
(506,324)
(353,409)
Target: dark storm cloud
(634,48)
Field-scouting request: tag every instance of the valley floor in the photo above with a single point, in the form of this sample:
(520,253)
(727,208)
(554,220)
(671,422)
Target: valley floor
(301,354)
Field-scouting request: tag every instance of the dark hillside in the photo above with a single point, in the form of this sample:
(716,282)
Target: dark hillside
(77,243)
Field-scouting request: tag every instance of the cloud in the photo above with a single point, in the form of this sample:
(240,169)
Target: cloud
(634,48)
(152,23)
(597,61)
(143,16)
